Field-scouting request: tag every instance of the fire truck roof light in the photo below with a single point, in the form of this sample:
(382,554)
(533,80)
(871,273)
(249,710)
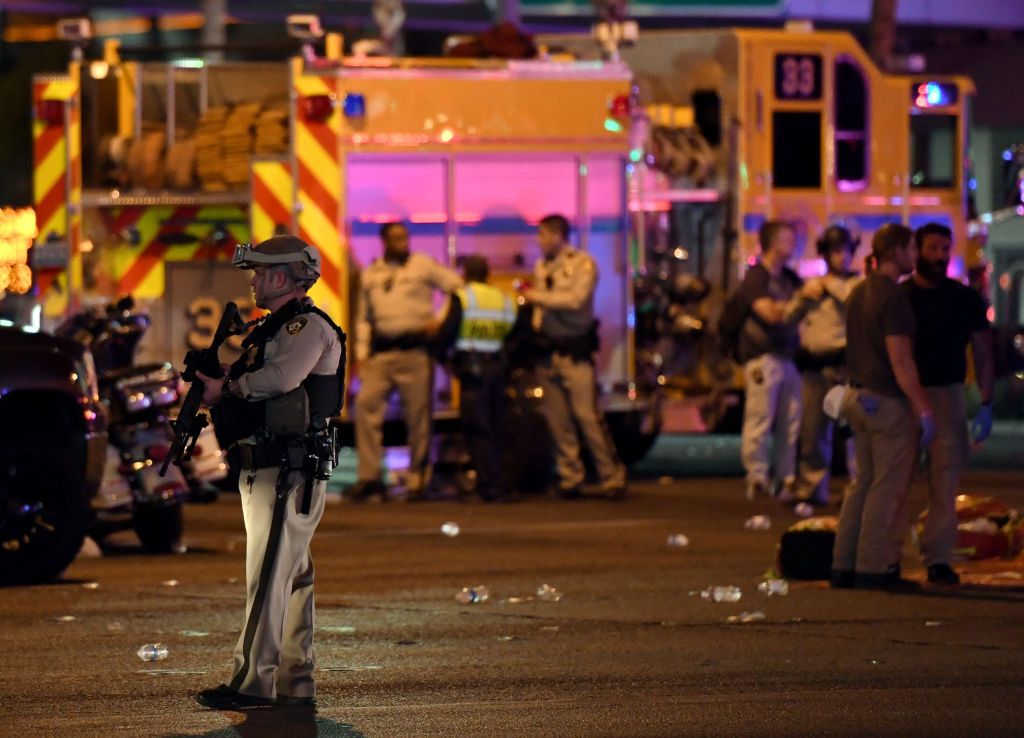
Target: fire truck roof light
(354,105)
(317,108)
(934,94)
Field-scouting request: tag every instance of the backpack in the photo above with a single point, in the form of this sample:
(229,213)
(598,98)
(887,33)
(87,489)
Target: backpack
(730,323)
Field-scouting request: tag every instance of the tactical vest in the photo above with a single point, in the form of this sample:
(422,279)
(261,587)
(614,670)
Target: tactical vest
(236,418)
(487,317)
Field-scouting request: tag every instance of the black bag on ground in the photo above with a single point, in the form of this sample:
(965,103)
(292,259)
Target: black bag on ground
(806,554)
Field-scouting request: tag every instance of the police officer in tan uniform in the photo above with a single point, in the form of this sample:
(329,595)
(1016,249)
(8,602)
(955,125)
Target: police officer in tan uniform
(563,300)
(275,403)
(395,328)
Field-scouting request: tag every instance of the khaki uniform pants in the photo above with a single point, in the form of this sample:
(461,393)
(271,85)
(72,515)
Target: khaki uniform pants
(771,419)
(816,431)
(886,445)
(946,458)
(570,400)
(409,372)
(274,654)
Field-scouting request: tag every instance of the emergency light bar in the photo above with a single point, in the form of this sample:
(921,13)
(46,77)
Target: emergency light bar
(934,94)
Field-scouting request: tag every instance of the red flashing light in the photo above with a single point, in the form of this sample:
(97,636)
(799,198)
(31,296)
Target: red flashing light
(157,452)
(316,108)
(620,107)
(50,112)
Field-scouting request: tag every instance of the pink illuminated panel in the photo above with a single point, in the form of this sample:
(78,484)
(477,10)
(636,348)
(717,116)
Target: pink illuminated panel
(500,199)
(410,189)
(496,202)
(605,203)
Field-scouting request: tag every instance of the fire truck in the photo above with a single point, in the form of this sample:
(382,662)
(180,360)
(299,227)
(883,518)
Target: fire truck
(733,127)
(667,161)
(471,154)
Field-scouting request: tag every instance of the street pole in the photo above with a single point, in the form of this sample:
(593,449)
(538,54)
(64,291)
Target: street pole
(214,35)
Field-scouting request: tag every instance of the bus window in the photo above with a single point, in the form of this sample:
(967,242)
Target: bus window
(851,126)
(707,114)
(932,151)
(796,150)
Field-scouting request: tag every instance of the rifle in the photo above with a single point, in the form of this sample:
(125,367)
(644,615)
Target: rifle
(190,422)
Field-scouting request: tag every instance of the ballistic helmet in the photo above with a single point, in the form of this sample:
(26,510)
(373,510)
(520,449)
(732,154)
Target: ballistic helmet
(836,237)
(302,260)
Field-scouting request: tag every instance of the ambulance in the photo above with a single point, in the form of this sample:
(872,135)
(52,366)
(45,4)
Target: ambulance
(733,127)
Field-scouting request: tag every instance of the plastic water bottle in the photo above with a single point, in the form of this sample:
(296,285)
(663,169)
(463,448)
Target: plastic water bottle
(746,617)
(473,595)
(803,510)
(758,522)
(153,652)
(728,593)
(547,593)
(450,529)
(678,540)
(771,587)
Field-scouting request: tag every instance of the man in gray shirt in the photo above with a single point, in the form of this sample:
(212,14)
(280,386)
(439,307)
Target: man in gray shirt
(768,343)
(888,412)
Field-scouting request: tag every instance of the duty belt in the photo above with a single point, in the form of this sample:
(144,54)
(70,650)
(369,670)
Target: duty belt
(401,342)
(262,454)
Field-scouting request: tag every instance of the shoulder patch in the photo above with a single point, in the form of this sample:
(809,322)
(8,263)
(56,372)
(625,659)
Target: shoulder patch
(296,325)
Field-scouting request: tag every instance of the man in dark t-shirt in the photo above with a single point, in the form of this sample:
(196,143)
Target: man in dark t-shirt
(768,343)
(880,407)
(949,316)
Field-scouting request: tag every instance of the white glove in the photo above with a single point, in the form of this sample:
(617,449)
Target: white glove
(833,402)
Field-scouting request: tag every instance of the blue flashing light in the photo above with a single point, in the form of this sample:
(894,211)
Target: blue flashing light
(354,105)
(972,184)
(1007,155)
(934,94)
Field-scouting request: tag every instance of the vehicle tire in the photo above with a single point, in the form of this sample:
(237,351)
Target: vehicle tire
(159,527)
(44,516)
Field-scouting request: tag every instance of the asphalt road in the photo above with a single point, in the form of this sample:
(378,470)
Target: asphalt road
(627,651)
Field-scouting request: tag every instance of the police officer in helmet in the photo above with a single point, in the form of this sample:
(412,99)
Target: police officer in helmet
(275,404)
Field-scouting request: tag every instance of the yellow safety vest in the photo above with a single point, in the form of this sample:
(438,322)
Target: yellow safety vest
(487,317)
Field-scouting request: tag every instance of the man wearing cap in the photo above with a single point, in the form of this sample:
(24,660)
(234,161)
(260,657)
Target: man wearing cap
(394,333)
(487,318)
(275,404)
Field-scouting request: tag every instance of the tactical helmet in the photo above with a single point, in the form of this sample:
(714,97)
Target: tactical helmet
(836,236)
(302,260)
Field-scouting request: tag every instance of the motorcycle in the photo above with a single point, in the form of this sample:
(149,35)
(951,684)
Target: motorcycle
(140,400)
